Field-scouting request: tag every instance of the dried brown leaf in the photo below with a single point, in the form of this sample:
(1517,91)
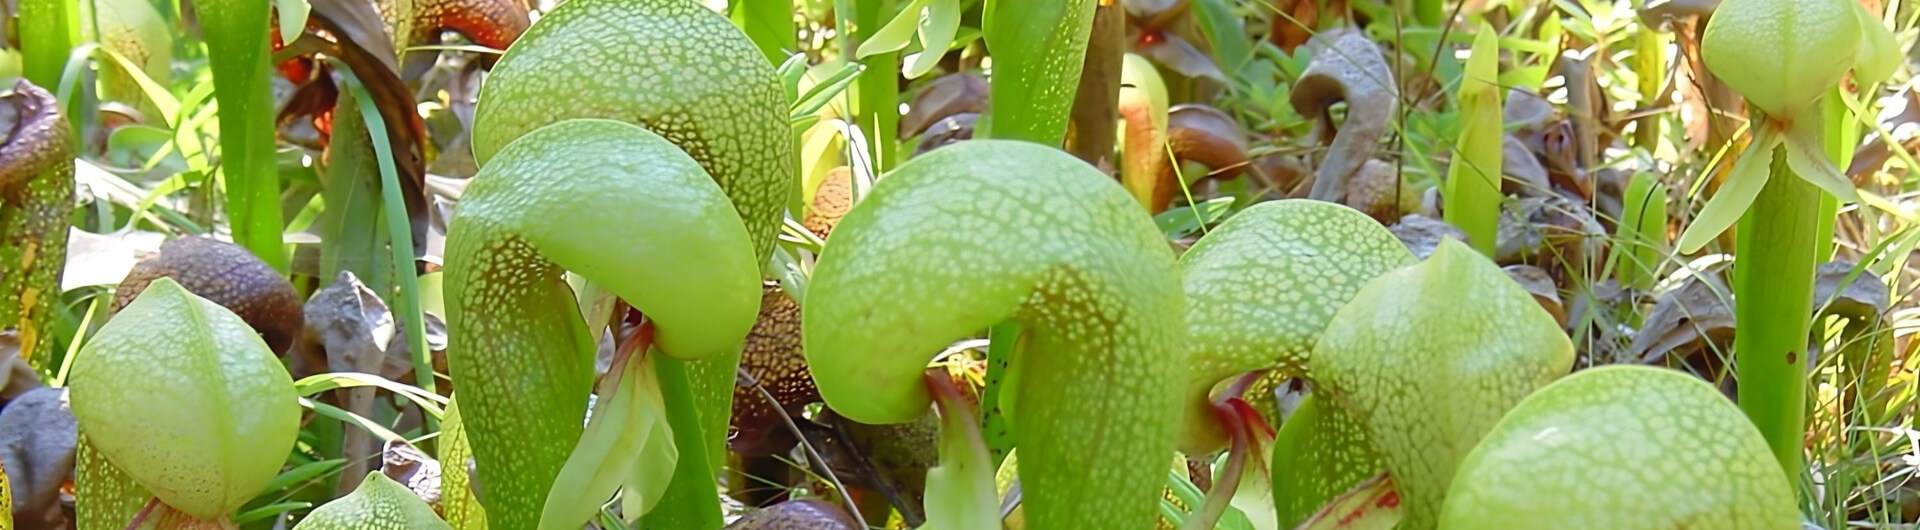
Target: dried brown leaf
(1541,286)
(803,514)
(948,95)
(1347,66)
(1423,234)
(37,447)
(1685,321)
(226,274)
(1865,298)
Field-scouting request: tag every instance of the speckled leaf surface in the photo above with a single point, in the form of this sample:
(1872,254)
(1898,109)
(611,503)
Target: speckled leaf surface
(1318,454)
(1428,357)
(184,397)
(104,496)
(1261,288)
(36,196)
(457,498)
(680,70)
(1622,448)
(378,504)
(644,221)
(984,231)
(6,502)
(673,66)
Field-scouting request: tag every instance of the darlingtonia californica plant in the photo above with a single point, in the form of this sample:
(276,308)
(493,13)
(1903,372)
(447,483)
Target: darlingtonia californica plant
(671,183)
(1413,364)
(986,231)
(178,400)
(36,195)
(1785,57)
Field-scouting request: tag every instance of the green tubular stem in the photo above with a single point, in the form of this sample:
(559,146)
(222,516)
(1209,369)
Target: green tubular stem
(36,197)
(689,499)
(1773,280)
(1038,51)
(49,29)
(924,260)
(236,35)
(518,348)
(1262,286)
(679,70)
(876,98)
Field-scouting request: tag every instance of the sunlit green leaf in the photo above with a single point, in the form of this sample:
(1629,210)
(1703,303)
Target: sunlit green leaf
(1750,173)
(896,34)
(936,33)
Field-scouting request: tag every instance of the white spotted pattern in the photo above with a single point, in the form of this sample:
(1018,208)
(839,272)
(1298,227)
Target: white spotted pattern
(988,230)
(1262,287)
(1622,448)
(1429,357)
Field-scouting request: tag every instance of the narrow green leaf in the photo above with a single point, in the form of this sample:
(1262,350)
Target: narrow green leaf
(936,33)
(621,424)
(379,431)
(271,510)
(1743,183)
(1807,155)
(400,237)
(293,18)
(305,472)
(896,34)
(824,92)
(315,384)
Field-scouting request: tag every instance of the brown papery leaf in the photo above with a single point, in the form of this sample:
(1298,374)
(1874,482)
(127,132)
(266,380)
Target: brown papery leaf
(1541,286)
(1865,298)
(407,465)
(803,514)
(1347,66)
(1423,234)
(948,95)
(1206,135)
(1685,321)
(37,443)
(226,274)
